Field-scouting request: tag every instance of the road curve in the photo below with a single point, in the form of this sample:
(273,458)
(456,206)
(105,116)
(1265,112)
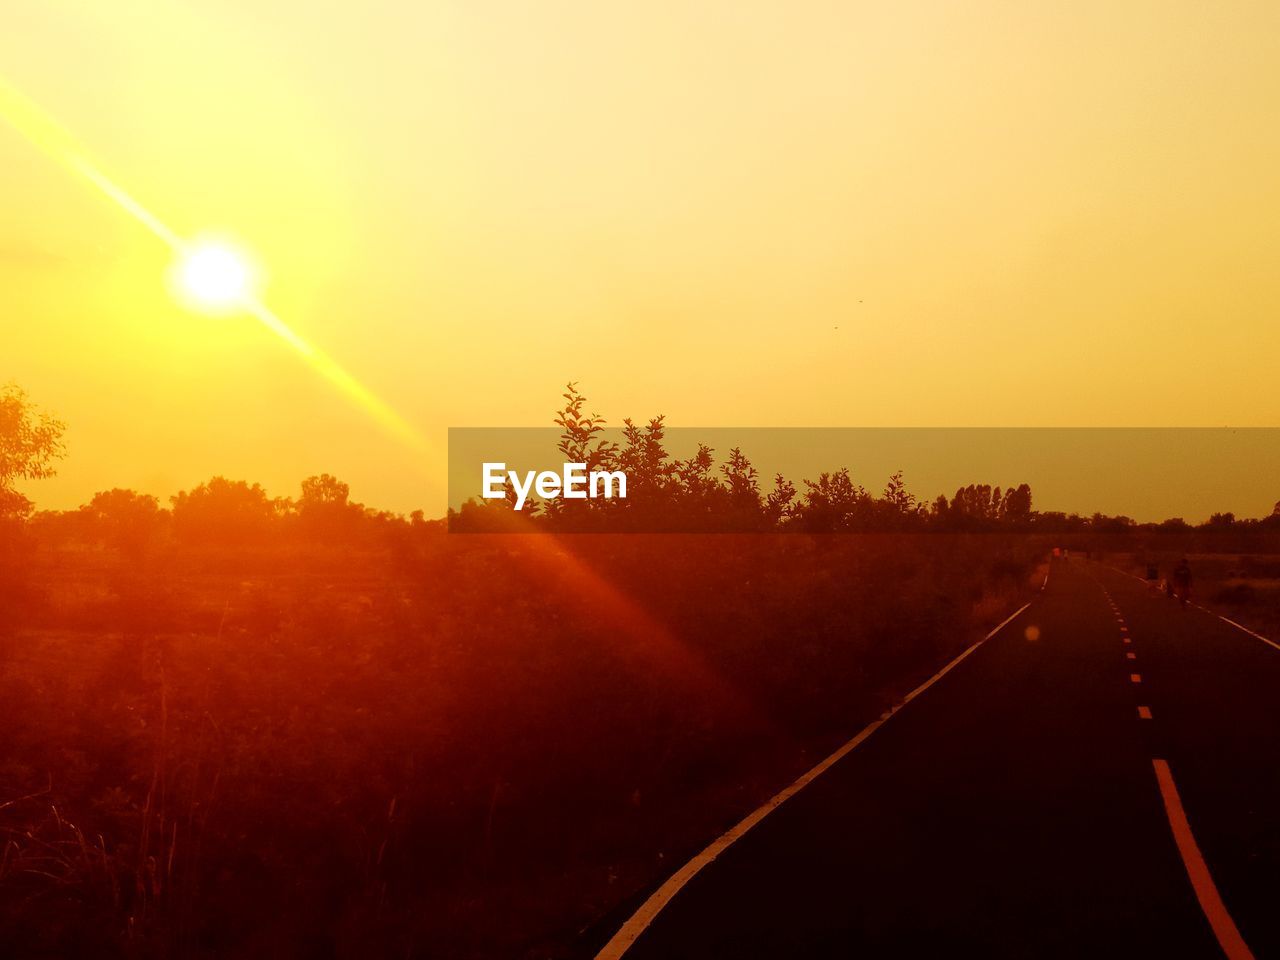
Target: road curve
(1108,789)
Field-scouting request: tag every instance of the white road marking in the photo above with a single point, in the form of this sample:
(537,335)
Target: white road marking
(1215,911)
(1144,713)
(1131,655)
(1135,678)
(1269,643)
(640,920)
(1127,640)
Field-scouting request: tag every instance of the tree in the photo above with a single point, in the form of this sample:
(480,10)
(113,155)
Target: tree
(1016,507)
(124,519)
(322,492)
(696,480)
(651,473)
(973,506)
(833,502)
(325,508)
(779,506)
(899,500)
(580,443)
(30,443)
(225,512)
(941,508)
(741,492)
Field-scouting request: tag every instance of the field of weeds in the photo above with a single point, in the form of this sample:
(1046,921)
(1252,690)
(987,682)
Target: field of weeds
(455,746)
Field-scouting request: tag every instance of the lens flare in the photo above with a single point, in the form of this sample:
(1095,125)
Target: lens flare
(211,277)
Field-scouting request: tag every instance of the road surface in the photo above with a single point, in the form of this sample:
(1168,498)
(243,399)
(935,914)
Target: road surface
(1111,788)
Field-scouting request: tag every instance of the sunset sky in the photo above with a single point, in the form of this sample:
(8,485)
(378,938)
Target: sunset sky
(809,214)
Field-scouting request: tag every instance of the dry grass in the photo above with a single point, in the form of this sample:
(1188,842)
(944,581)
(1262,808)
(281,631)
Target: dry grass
(292,753)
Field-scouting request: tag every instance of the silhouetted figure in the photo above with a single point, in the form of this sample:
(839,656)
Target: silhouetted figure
(1182,581)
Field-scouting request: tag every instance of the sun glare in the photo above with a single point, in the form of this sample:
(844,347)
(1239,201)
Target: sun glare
(214,277)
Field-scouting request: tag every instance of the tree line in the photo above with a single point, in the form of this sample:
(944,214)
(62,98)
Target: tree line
(665,493)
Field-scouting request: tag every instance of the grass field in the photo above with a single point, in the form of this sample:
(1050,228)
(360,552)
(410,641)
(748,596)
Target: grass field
(450,746)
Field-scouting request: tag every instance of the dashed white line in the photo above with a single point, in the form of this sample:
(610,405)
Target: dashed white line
(1131,655)
(1144,713)
(1257,636)
(1135,678)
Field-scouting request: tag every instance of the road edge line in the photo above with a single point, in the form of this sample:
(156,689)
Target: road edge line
(1239,626)
(639,921)
(1215,911)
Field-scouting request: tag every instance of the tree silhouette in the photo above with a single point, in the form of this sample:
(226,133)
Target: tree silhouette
(580,442)
(780,503)
(899,507)
(325,508)
(651,474)
(1016,507)
(124,519)
(225,512)
(834,502)
(743,504)
(30,443)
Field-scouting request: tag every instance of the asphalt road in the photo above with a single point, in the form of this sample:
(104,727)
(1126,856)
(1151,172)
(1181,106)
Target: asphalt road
(1015,808)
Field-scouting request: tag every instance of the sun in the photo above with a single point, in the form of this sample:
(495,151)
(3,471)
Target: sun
(214,277)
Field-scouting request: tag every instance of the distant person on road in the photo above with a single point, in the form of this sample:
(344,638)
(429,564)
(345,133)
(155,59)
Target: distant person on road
(1182,581)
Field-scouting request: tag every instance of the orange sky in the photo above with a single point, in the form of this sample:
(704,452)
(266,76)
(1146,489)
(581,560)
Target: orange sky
(735,213)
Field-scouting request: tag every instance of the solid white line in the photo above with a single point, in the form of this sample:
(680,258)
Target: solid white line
(1269,642)
(1224,928)
(636,924)
(1238,626)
